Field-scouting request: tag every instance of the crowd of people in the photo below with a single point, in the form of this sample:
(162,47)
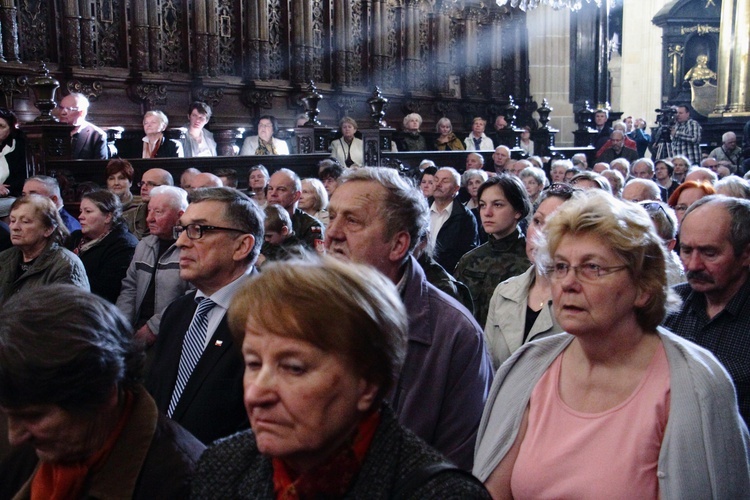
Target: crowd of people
(535,328)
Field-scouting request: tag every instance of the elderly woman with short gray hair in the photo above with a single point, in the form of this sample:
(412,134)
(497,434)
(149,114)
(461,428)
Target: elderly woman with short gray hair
(348,149)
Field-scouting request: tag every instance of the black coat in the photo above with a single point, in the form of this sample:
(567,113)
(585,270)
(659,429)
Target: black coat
(458,235)
(211,404)
(90,143)
(107,262)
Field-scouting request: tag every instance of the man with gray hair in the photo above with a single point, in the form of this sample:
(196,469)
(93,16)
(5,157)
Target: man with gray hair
(638,190)
(48,187)
(728,151)
(715,312)
(285,189)
(88,142)
(453,228)
(377,218)
(644,169)
(153,280)
(136,218)
(196,376)
(500,159)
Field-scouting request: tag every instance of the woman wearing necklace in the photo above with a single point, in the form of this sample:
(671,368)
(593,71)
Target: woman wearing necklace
(37,257)
(104,244)
(347,149)
(198,141)
(155,145)
(12,155)
(520,306)
(264,143)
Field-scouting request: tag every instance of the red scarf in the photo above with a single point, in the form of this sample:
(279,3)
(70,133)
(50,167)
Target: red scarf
(54,481)
(333,478)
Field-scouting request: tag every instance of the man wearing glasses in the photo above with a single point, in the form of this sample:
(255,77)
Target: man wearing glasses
(136,219)
(88,141)
(196,377)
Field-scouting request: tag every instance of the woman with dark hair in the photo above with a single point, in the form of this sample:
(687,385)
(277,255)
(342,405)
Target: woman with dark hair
(198,141)
(120,181)
(503,204)
(37,258)
(104,244)
(316,375)
(663,170)
(81,423)
(521,307)
(264,143)
(12,155)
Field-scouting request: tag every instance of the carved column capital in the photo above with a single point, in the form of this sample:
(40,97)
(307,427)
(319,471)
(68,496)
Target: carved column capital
(209,95)
(91,90)
(148,94)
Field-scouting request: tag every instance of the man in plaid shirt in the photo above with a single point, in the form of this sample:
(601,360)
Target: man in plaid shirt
(686,136)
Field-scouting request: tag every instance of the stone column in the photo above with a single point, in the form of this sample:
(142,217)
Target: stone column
(212,30)
(298,41)
(602,66)
(9,24)
(442,54)
(497,84)
(740,76)
(411,16)
(726,34)
(71,33)
(154,28)
(140,36)
(200,38)
(87,36)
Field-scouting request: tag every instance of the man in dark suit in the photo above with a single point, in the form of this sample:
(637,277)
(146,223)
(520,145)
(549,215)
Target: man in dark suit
(196,377)
(453,228)
(88,141)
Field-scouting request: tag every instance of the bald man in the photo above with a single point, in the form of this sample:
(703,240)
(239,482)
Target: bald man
(136,218)
(205,180)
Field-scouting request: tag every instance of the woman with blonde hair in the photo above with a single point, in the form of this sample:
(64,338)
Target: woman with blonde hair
(314,200)
(447,140)
(617,407)
(155,145)
(348,149)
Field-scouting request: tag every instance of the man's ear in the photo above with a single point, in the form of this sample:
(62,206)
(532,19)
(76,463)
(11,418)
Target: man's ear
(244,246)
(399,246)
(284,231)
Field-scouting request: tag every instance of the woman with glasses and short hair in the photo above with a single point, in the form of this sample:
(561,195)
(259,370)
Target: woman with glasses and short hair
(198,141)
(617,407)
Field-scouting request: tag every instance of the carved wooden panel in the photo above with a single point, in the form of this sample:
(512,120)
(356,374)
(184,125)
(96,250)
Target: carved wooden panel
(112,39)
(229,27)
(172,32)
(34,28)
(277,40)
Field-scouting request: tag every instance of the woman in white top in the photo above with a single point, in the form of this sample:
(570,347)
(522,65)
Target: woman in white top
(347,149)
(265,143)
(198,141)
